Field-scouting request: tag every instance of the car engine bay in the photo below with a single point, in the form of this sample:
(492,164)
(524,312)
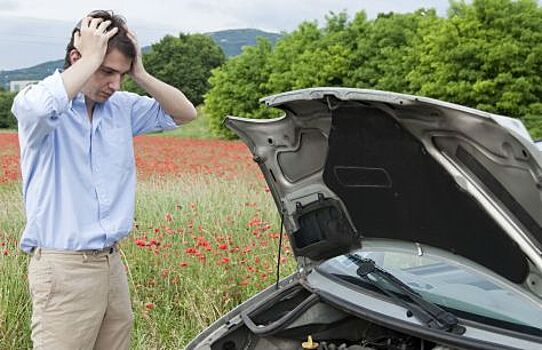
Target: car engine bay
(297,319)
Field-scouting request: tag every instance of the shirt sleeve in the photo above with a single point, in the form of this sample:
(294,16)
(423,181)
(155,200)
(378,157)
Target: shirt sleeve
(38,107)
(148,116)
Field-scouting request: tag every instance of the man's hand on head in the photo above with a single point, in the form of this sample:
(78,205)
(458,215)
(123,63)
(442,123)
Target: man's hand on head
(92,38)
(90,43)
(138,70)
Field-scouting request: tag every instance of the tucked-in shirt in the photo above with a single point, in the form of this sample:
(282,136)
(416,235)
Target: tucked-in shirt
(78,175)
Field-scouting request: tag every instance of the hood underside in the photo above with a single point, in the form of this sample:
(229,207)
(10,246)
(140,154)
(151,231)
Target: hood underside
(344,164)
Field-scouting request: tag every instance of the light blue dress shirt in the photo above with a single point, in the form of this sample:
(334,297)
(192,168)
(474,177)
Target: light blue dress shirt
(78,176)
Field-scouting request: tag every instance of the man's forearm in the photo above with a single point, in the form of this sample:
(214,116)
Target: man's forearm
(171,99)
(78,74)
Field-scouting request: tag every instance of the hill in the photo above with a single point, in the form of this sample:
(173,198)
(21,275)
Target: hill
(37,72)
(231,42)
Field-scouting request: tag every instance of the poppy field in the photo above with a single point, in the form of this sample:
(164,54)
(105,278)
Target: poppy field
(205,238)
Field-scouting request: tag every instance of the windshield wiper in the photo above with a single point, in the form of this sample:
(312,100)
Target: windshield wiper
(425,311)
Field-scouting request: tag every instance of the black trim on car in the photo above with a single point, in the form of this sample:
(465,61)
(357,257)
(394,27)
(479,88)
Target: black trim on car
(250,314)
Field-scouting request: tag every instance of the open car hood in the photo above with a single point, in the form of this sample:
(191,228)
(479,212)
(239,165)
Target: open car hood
(344,164)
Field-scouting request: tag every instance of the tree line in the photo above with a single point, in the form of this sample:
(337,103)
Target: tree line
(485,54)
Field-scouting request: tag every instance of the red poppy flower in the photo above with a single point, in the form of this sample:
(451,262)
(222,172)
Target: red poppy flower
(224,261)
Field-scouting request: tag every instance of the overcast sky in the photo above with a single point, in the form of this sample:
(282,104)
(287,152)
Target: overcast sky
(34,31)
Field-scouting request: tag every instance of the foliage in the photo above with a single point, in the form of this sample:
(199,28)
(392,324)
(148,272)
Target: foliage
(356,53)
(382,55)
(300,59)
(184,62)
(237,87)
(287,56)
(485,54)
(7,120)
(534,125)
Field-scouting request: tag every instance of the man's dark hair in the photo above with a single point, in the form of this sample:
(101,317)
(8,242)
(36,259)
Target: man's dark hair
(119,41)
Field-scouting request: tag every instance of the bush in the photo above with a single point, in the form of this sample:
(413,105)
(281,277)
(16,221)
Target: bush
(236,88)
(534,125)
(7,120)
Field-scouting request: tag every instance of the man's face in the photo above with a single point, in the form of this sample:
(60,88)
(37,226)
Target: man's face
(107,79)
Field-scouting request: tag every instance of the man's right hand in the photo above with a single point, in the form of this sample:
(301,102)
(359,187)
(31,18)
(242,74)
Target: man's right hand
(92,38)
(90,44)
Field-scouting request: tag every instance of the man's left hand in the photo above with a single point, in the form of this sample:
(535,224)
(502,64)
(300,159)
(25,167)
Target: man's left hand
(138,70)
(170,98)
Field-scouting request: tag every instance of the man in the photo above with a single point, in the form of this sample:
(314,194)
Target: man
(78,169)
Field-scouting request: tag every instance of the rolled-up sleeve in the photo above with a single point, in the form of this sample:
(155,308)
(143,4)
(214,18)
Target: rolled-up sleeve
(148,116)
(38,107)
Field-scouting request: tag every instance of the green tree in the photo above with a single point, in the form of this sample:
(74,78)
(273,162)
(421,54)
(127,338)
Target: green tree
(327,61)
(286,53)
(486,55)
(237,86)
(309,56)
(312,56)
(382,55)
(184,62)
(7,120)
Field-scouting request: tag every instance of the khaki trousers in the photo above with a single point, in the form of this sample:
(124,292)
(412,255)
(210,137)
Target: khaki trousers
(79,301)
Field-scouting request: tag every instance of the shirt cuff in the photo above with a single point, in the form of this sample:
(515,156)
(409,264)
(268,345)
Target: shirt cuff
(166,122)
(59,97)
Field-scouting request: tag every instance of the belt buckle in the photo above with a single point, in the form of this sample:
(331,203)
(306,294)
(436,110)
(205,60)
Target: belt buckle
(107,250)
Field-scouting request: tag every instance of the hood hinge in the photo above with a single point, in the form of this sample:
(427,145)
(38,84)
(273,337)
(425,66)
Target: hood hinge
(304,266)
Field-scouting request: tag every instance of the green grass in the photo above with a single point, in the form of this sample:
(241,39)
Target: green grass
(14,299)
(233,223)
(198,129)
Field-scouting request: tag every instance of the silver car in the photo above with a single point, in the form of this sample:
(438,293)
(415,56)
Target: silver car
(416,224)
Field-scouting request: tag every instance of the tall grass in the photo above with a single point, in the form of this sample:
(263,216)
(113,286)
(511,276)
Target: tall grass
(197,129)
(14,298)
(200,246)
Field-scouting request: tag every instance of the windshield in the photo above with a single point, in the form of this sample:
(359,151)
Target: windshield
(451,285)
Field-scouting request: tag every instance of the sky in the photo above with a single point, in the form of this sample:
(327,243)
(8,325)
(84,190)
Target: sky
(35,31)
